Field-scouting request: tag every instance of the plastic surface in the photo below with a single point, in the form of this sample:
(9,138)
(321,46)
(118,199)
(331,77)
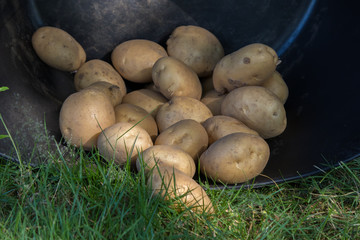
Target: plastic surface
(316,40)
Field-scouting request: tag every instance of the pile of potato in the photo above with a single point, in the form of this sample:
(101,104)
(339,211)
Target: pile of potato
(197,108)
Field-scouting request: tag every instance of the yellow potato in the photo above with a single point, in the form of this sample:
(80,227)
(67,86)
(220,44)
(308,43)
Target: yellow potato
(180,108)
(173,78)
(58,49)
(257,108)
(213,100)
(83,115)
(122,142)
(97,70)
(220,126)
(250,65)
(196,47)
(165,155)
(133,114)
(147,99)
(188,135)
(277,85)
(235,158)
(151,86)
(135,58)
(207,85)
(184,191)
(112,91)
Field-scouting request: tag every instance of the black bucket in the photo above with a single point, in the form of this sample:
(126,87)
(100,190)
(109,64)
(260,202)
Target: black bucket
(316,41)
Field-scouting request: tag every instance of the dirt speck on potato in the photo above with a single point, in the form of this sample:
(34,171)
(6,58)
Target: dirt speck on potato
(246,60)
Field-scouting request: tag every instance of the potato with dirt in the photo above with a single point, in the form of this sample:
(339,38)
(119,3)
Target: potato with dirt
(188,135)
(250,65)
(173,78)
(183,191)
(113,92)
(180,108)
(219,126)
(134,59)
(212,99)
(235,158)
(133,114)
(97,70)
(258,108)
(277,85)
(165,155)
(83,116)
(122,142)
(147,99)
(197,47)
(58,49)
(207,85)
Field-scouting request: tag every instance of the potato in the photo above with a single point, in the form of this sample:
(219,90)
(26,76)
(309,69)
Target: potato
(207,85)
(184,191)
(152,87)
(235,158)
(83,115)
(188,135)
(123,141)
(113,92)
(173,78)
(165,155)
(179,108)
(58,49)
(277,85)
(220,126)
(135,58)
(97,70)
(257,108)
(196,47)
(147,99)
(250,65)
(213,100)
(133,114)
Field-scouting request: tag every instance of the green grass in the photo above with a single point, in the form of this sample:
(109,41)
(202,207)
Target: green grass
(83,197)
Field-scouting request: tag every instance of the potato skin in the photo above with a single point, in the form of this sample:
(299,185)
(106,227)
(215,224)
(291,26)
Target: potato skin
(197,47)
(188,135)
(179,108)
(80,117)
(151,86)
(277,85)
(173,78)
(116,142)
(147,99)
(173,184)
(133,114)
(97,70)
(250,65)
(113,92)
(257,108)
(165,155)
(213,100)
(207,85)
(235,158)
(135,58)
(220,126)
(58,49)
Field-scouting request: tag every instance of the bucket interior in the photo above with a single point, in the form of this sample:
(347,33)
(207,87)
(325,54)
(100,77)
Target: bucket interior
(315,39)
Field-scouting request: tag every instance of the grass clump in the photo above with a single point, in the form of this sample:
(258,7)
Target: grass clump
(84,197)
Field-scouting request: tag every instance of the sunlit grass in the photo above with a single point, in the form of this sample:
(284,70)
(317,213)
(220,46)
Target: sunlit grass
(84,197)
